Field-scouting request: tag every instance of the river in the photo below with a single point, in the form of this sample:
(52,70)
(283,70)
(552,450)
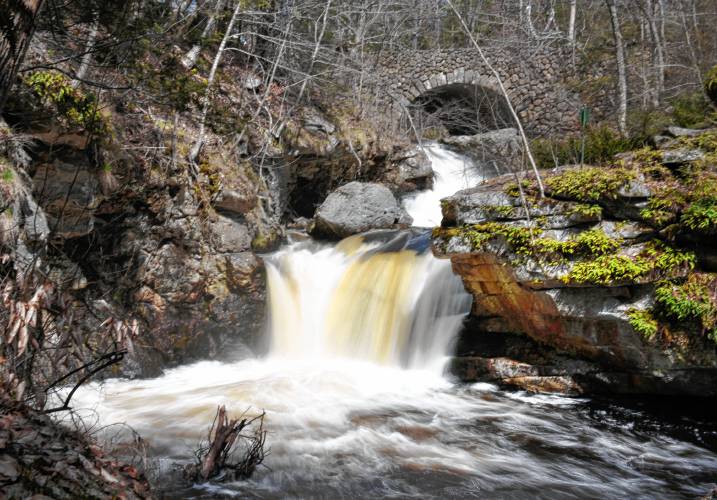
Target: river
(358,406)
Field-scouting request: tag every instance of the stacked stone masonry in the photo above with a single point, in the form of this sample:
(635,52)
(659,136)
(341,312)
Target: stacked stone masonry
(534,82)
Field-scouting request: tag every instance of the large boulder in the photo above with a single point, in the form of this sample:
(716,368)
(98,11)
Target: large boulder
(358,207)
(503,146)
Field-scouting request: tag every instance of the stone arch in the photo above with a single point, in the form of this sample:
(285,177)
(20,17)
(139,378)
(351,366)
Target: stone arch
(535,86)
(462,104)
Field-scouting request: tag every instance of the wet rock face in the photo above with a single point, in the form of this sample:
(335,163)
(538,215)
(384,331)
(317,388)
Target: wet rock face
(358,207)
(539,324)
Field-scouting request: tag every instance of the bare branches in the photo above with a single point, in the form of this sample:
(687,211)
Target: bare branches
(215,459)
(503,91)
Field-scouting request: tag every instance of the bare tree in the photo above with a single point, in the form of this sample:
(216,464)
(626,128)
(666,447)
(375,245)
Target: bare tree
(17,25)
(621,69)
(503,91)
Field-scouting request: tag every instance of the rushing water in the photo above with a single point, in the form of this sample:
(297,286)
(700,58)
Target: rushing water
(452,173)
(357,405)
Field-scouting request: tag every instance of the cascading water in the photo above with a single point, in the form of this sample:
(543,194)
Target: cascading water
(452,173)
(379,300)
(357,405)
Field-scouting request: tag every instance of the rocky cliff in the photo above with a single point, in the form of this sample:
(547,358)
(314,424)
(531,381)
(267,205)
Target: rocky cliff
(607,284)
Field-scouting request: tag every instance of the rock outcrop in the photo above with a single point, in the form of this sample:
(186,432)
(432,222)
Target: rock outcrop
(500,147)
(41,459)
(358,207)
(597,287)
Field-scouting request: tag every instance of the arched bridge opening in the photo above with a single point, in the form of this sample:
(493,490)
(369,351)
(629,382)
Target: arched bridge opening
(461,109)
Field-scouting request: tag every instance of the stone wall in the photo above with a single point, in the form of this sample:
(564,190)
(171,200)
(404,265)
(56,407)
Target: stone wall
(534,82)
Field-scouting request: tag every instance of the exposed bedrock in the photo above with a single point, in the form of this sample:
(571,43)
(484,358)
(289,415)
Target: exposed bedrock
(580,292)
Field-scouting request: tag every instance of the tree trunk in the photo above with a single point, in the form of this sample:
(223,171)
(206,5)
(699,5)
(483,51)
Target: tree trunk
(621,71)
(194,153)
(190,58)
(17,23)
(571,25)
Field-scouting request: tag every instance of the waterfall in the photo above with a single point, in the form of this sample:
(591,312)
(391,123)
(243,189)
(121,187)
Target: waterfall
(452,173)
(381,297)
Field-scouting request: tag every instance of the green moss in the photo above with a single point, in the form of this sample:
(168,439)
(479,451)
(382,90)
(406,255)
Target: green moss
(590,184)
(657,259)
(513,190)
(505,211)
(693,302)
(643,322)
(76,108)
(527,242)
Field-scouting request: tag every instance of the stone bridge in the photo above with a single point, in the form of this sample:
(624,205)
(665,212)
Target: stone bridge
(535,85)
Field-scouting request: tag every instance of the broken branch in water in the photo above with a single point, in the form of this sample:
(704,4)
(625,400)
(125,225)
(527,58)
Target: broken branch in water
(215,459)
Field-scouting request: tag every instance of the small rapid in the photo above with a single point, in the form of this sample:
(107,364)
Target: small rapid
(452,173)
(357,404)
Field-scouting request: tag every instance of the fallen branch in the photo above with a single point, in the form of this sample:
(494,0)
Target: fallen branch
(214,459)
(99,364)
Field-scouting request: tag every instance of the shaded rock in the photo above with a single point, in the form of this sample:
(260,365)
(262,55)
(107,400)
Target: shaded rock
(230,235)
(675,131)
(69,194)
(358,207)
(502,145)
(414,170)
(235,201)
(675,157)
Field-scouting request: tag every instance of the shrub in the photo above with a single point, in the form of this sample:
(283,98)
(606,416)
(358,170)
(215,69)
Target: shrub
(643,322)
(76,108)
(711,84)
(693,302)
(601,146)
(692,110)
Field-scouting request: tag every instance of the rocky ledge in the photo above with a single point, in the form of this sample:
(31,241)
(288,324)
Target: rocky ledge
(40,459)
(606,284)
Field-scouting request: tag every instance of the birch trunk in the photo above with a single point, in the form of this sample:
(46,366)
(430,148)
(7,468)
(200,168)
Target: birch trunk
(194,153)
(621,70)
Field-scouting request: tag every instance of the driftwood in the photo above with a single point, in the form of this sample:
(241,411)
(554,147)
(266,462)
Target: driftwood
(218,460)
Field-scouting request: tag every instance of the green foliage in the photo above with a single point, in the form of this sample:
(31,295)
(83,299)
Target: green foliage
(643,322)
(170,82)
(608,269)
(711,84)
(668,260)
(693,302)
(526,242)
(589,184)
(594,242)
(692,110)
(701,215)
(76,108)
(601,145)
(586,210)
